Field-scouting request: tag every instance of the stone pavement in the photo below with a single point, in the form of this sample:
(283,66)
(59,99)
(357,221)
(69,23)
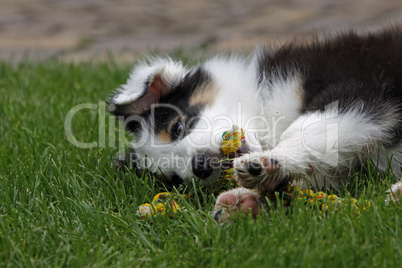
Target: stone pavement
(82,29)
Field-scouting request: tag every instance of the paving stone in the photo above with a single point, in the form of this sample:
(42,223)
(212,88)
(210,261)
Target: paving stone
(82,29)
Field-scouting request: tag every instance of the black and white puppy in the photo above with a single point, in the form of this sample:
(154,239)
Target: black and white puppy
(313,110)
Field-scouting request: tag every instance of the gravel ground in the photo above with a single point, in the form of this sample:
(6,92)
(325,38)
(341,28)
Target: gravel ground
(81,29)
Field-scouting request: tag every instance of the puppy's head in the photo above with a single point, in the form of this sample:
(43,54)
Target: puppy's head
(169,111)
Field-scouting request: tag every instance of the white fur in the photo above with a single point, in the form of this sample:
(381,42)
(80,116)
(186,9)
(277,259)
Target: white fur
(281,91)
(326,141)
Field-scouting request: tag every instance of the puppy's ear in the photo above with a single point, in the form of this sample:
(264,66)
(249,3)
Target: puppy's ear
(147,83)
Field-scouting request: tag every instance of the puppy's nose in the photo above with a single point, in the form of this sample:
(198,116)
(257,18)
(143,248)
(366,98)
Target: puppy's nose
(201,166)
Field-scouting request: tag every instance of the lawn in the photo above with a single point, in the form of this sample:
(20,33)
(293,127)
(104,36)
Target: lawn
(62,205)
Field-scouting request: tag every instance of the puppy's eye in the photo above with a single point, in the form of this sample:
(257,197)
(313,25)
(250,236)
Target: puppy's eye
(178,129)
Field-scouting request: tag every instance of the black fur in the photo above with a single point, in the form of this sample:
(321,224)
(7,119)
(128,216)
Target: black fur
(350,68)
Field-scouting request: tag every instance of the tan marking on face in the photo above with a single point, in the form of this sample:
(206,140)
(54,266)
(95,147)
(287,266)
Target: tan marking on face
(164,136)
(204,95)
(175,120)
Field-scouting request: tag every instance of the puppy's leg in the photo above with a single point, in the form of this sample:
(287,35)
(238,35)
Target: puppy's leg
(317,144)
(239,199)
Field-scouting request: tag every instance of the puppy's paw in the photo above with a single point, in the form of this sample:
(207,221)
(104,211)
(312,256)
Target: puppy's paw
(230,203)
(395,193)
(256,170)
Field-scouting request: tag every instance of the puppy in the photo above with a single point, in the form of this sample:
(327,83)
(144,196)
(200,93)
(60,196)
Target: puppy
(311,111)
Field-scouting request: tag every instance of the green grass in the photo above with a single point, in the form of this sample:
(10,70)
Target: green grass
(61,205)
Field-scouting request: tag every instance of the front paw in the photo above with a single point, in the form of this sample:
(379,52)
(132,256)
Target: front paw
(256,171)
(395,193)
(230,203)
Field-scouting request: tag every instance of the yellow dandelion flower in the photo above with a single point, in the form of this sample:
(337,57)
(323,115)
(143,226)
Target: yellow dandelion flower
(232,140)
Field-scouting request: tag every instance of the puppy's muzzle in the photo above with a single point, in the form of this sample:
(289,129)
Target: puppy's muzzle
(202,165)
